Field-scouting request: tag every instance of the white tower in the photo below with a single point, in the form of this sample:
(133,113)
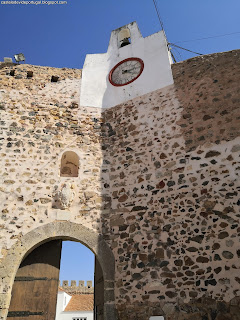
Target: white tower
(131,67)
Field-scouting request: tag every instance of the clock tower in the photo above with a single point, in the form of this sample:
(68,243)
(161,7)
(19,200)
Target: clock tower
(131,67)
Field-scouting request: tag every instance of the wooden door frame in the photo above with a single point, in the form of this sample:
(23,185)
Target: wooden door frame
(63,230)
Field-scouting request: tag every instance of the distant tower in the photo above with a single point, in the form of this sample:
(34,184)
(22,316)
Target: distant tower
(131,67)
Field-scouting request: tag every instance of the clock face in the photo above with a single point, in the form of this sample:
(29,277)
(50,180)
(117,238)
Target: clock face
(126,72)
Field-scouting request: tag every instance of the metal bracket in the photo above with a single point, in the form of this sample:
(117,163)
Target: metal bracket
(33,279)
(15,314)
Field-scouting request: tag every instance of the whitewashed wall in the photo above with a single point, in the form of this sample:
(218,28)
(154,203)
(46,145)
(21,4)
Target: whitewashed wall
(75,314)
(62,301)
(97,91)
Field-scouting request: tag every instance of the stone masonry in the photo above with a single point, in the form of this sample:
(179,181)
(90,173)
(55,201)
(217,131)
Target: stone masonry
(158,180)
(76,288)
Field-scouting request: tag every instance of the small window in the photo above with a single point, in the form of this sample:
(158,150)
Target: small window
(29,74)
(69,164)
(54,79)
(12,73)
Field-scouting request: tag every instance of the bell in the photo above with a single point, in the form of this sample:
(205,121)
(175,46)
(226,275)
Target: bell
(125,42)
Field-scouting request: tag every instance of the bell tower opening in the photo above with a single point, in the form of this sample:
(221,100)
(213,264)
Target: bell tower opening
(124,37)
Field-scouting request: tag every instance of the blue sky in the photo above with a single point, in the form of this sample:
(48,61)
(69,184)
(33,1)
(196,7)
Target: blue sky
(62,35)
(77,262)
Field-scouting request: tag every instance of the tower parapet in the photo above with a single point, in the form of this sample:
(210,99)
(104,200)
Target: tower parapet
(75,288)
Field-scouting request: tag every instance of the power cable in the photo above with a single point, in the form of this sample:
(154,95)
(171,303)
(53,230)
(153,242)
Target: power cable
(174,59)
(161,24)
(158,14)
(222,35)
(178,54)
(168,43)
(172,44)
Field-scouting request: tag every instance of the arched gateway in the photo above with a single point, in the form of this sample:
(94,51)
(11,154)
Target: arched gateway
(63,230)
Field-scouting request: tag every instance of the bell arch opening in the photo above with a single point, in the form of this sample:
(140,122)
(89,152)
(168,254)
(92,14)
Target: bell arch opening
(54,233)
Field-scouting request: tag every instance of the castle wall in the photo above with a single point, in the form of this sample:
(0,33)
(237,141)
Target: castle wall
(97,91)
(40,120)
(174,180)
(77,287)
(158,179)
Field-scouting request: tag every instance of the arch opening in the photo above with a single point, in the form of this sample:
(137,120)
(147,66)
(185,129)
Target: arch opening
(80,292)
(69,164)
(65,230)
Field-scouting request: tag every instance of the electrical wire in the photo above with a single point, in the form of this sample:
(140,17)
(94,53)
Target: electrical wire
(172,44)
(158,14)
(222,35)
(161,24)
(178,54)
(168,43)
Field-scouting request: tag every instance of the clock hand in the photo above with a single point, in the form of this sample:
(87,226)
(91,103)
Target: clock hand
(127,70)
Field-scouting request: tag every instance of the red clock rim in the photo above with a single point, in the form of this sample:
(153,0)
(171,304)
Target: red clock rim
(115,67)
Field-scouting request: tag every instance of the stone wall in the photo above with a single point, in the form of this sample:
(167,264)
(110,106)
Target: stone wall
(40,120)
(174,181)
(158,180)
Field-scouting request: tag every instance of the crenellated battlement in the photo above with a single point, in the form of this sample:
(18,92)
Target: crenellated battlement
(74,288)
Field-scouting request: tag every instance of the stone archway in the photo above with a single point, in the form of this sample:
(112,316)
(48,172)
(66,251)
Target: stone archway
(63,230)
